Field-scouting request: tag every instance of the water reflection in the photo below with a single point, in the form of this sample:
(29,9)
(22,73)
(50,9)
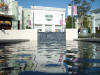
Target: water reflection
(28,56)
(83,58)
(50,57)
(15,58)
(73,57)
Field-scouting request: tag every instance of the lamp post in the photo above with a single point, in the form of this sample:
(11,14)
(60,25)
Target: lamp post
(62,22)
(33,14)
(72,1)
(93,24)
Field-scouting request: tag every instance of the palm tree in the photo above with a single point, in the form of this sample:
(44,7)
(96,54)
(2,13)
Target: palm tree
(83,7)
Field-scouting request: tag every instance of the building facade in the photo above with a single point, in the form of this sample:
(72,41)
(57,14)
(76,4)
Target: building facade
(27,18)
(95,20)
(9,8)
(45,19)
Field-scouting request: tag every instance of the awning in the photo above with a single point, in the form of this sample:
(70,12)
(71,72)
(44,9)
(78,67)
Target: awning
(6,17)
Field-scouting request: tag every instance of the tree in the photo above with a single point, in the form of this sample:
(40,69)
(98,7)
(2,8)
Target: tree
(69,22)
(83,7)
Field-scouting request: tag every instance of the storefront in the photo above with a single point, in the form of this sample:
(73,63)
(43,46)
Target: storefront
(95,20)
(5,20)
(45,19)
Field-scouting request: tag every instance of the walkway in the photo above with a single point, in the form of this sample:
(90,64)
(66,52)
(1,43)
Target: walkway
(96,40)
(11,41)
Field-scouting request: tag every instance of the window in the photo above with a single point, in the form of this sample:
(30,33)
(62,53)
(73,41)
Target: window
(38,26)
(48,28)
(57,30)
(39,30)
(58,26)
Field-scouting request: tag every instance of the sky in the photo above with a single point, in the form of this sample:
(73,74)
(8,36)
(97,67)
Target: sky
(52,3)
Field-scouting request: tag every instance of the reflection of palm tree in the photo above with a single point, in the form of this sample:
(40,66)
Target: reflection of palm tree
(85,53)
(31,65)
(35,62)
(4,73)
(25,67)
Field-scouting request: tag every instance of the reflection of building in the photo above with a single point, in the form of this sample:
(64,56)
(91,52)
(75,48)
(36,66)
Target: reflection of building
(95,20)
(45,19)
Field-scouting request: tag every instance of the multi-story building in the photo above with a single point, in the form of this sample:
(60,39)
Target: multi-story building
(20,18)
(27,18)
(8,14)
(45,19)
(95,20)
(13,10)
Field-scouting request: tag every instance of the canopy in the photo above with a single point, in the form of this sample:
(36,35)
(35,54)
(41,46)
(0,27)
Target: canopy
(6,17)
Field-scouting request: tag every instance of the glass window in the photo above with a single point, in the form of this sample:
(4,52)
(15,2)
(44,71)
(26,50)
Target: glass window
(57,30)
(48,28)
(58,26)
(38,26)
(39,30)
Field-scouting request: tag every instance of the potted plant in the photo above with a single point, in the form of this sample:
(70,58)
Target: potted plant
(28,27)
(69,22)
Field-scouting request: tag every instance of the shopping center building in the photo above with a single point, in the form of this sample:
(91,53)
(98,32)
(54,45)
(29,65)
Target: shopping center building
(95,20)
(8,14)
(44,19)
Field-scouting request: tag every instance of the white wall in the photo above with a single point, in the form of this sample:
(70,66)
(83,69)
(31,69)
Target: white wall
(13,10)
(71,34)
(27,16)
(29,34)
(97,20)
(20,15)
(40,17)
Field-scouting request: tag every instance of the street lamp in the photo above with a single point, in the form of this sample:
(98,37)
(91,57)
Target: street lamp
(72,1)
(62,22)
(33,14)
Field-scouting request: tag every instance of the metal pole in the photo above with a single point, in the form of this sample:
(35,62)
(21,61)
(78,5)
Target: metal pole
(33,14)
(72,12)
(33,17)
(62,22)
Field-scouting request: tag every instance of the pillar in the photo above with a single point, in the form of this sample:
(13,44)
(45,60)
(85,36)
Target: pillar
(53,28)
(93,24)
(43,28)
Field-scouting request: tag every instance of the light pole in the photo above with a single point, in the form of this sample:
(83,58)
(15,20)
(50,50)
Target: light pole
(33,14)
(72,1)
(62,22)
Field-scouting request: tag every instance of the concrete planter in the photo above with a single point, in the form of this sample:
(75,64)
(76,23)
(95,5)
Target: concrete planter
(71,34)
(84,32)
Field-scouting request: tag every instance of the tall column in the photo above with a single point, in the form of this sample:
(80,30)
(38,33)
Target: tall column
(93,24)
(53,28)
(32,19)
(43,28)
